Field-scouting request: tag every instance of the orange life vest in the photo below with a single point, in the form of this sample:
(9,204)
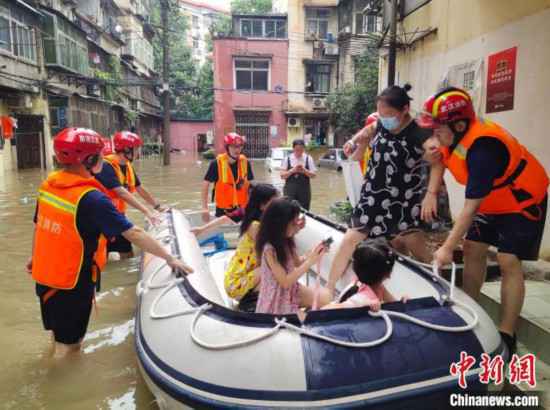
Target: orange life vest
(127,180)
(58,252)
(228,193)
(524,173)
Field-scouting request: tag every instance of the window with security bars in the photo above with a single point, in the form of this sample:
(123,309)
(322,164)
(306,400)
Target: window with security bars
(17,35)
(255,127)
(252,75)
(469,79)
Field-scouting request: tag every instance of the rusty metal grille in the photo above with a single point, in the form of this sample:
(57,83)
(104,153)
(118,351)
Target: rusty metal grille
(255,126)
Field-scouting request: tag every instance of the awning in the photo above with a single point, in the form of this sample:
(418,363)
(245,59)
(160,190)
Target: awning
(308,114)
(28,7)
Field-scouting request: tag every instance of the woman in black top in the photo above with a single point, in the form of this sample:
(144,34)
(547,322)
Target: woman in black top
(394,186)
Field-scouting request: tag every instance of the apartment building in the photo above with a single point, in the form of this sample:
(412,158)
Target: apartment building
(200,17)
(86,63)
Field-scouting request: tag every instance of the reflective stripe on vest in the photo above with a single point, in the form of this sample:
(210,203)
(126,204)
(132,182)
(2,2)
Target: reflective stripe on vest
(127,180)
(524,172)
(58,251)
(227,195)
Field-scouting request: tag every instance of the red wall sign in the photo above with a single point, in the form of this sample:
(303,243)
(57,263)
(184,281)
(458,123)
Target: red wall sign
(501,76)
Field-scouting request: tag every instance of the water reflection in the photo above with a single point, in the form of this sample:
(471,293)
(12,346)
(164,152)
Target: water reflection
(106,375)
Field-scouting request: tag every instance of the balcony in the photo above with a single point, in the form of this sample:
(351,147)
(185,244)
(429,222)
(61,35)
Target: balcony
(139,49)
(65,46)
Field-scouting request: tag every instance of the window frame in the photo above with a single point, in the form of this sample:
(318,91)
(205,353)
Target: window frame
(251,70)
(27,43)
(318,19)
(277,22)
(316,72)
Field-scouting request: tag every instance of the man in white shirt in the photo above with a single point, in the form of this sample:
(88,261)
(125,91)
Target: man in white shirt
(298,169)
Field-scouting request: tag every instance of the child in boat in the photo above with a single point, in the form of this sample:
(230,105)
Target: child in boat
(281,267)
(242,274)
(372,262)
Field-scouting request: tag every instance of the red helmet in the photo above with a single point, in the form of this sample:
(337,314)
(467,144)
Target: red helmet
(446,106)
(234,139)
(371,118)
(126,139)
(108,146)
(73,145)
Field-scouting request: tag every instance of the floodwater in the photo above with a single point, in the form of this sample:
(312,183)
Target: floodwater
(105,375)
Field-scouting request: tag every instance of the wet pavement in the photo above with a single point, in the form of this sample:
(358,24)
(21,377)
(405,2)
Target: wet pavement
(105,375)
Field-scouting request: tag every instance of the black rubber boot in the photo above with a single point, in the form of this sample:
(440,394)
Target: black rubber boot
(510,342)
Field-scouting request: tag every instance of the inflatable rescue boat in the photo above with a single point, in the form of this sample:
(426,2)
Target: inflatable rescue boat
(196,350)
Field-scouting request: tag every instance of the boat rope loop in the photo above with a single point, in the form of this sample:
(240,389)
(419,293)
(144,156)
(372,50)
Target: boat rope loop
(283,324)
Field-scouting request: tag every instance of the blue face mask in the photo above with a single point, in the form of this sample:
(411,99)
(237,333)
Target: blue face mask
(389,123)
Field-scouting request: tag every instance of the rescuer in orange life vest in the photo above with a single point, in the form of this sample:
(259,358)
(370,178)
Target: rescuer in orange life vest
(231,174)
(506,198)
(73,211)
(119,177)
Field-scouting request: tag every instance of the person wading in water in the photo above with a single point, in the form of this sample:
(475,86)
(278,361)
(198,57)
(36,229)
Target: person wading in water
(298,169)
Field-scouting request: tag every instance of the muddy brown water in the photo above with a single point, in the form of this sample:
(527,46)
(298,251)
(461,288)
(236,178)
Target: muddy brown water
(105,375)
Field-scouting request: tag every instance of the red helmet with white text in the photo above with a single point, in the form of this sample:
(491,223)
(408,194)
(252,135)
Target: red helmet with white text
(234,139)
(449,105)
(108,147)
(73,145)
(126,139)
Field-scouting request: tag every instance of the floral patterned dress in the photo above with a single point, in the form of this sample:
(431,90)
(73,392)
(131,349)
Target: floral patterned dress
(274,298)
(395,183)
(239,276)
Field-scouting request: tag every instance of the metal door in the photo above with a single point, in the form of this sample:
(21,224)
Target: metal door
(255,126)
(29,141)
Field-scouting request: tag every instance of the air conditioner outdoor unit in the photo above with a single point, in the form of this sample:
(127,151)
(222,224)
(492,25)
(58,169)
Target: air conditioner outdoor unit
(319,104)
(331,50)
(294,122)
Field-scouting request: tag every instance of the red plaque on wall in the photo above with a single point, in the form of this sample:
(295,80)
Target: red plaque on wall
(501,74)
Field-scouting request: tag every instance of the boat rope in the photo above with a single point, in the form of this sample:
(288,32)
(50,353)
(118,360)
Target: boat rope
(198,311)
(233,345)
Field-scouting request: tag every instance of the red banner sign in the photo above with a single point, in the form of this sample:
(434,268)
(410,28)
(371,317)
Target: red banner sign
(501,76)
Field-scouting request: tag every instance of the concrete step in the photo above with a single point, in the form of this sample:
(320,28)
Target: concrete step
(534,324)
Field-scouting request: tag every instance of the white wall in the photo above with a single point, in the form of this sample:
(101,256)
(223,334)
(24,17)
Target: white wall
(528,121)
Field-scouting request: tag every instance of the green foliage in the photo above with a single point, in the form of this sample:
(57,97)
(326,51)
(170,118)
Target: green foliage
(185,75)
(341,211)
(210,154)
(352,103)
(221,27)
(111,78)
(251,6)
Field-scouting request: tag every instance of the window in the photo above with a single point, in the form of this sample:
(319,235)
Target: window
(317,23)
(366,23)
(263,28)
(17,35)
(252,75)
(469,79)
(195,21)
(318,78)
(195,44)
(64,45)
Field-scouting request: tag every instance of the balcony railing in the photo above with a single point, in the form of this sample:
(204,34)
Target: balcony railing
(140,49)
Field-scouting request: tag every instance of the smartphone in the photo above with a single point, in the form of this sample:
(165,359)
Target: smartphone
(328,241)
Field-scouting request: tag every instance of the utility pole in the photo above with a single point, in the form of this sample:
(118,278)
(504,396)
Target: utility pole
(393,43)
(165,85)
